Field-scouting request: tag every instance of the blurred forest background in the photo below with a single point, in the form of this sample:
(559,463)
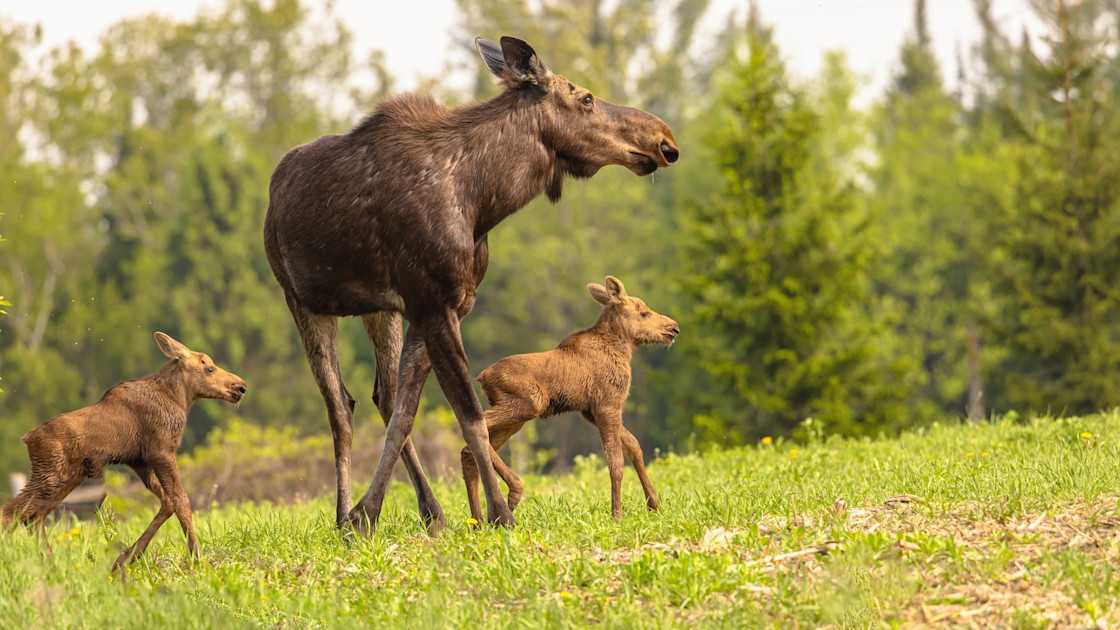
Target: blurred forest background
(933,254)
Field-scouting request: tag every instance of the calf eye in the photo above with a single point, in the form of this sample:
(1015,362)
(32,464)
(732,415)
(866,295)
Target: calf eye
(645,315)
(587,100)
(209,370)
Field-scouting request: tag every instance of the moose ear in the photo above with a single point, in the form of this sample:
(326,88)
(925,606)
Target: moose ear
(172,348)
(615,288)
(523,62)
(491,55)
(599,292)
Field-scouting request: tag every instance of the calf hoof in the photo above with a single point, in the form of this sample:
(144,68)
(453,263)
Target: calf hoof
(653,504)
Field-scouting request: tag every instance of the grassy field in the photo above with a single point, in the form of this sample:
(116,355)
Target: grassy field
(1013,522)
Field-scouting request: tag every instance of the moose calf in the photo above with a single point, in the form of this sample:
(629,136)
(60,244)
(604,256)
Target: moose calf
(588,372)
(138,423)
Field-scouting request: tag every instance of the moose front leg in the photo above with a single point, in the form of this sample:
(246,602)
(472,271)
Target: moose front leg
(610,432)
(449,360)
(148,477)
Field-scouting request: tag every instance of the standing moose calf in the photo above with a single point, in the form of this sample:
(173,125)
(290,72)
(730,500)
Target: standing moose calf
(138,423)
(392,219)
(588,372)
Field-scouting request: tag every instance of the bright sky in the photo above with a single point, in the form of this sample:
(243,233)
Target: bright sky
(417,36)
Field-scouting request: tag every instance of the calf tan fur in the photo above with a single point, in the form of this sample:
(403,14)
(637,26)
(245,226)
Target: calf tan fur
(588,372)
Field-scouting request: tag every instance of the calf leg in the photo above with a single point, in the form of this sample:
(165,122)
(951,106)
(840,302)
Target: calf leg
(610,432)
(319,334)
(43,492)
(634,452)
(385,331)
(501,428)
(167,472)
(151,482)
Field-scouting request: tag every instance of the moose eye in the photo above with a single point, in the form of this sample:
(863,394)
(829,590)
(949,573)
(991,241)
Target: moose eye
(209,370)
(588,100)
(645,315)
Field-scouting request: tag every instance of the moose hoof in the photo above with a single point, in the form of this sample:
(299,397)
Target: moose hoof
(433,519)
(360,521)
(503,518)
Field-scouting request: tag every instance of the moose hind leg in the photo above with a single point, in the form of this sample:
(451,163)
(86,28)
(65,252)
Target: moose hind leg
(414,369)
(319,334)
(385,331)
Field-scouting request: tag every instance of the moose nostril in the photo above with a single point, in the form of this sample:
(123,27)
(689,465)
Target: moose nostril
(241,389)
(676,331)
(669,151)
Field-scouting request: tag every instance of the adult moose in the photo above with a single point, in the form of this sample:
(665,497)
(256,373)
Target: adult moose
(392,218)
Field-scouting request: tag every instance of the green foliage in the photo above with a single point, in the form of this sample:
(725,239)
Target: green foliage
(776,261)
(1056,268)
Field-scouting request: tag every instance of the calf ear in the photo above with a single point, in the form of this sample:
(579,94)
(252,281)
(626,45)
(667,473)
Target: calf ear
(599,292)
(523,62)
(615,288)
(491,54)
(172,348)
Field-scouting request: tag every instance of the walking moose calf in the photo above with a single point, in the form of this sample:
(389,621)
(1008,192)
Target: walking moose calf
(138,423)
(588,372)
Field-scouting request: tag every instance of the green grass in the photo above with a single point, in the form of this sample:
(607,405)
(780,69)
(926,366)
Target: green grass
(1011,522)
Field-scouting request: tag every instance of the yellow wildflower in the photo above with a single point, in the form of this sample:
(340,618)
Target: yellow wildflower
(75,531)
(565,594)
(968,454)
(472,521)
(767,440)
(793,452)
(985,454)
(1085,435)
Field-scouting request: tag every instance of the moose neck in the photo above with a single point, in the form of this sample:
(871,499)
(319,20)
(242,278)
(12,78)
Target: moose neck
(615,337)
(505,162)
(170,380)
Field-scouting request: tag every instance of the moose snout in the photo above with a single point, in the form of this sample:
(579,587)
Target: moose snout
(669,152)
(237,389)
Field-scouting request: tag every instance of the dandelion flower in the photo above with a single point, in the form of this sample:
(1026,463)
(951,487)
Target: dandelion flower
(75,531)
(472,521)
(1085,435)
(968,454)
(985,454)
(793,452)
(767,440)
(565,594)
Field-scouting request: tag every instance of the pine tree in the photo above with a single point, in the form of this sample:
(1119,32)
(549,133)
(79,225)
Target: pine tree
(1056,261)
(776,266)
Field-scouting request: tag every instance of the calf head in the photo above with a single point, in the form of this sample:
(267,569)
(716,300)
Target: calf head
(200,375)
(585,132)
(631,317)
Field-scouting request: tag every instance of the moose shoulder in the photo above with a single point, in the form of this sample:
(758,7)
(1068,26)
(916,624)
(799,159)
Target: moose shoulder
(392,218)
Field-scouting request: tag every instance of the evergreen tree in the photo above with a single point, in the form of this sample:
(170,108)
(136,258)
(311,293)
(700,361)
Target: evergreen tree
(776,266)
(1056,264)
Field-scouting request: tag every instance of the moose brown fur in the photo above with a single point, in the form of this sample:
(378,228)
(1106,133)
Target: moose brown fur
(588,372)
(138,423)
(392,219)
